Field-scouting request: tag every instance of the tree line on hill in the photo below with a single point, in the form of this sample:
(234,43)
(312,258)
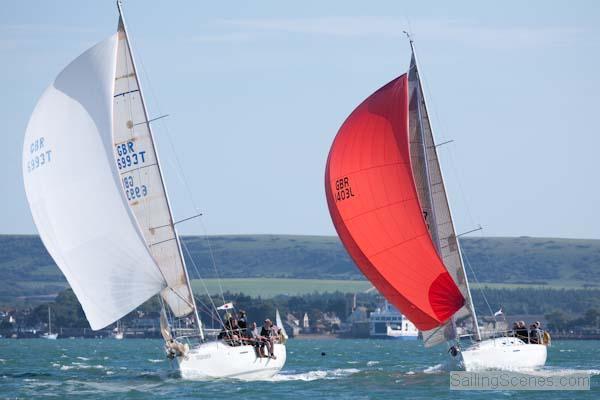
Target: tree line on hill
(27,269)
(564,309)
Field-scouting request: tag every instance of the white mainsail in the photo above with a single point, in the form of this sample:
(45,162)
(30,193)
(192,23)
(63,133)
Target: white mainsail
(141,179)
(74,191)
(434,202)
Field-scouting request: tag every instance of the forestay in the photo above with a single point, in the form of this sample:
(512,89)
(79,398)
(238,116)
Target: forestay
(434,203)
(141,180)
(75,195)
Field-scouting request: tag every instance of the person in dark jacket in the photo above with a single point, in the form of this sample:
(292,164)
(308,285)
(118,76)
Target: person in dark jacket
(242,323)
(521,331)
(267,333)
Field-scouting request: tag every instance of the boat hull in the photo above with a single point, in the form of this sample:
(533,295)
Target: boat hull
(217,360)
(502,354)
(50,336)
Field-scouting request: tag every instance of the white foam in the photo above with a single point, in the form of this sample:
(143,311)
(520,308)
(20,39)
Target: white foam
(315,375)
(371,363)
(435,369)
(77,365)
(155,361)
(83,358)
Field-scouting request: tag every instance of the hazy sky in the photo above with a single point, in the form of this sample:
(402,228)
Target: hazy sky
(257,90)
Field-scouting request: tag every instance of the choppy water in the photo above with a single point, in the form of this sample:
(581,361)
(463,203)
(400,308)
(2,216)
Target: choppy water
(357,369)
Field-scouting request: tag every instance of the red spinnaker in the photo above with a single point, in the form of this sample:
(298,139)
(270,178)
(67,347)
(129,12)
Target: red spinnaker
(373,202)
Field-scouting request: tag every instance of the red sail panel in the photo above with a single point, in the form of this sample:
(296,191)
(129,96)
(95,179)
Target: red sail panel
(373,202)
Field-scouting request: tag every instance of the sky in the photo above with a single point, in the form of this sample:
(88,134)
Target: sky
(256,91)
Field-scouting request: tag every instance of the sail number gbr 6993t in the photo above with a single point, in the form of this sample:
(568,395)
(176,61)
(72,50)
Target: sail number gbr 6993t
(343,190)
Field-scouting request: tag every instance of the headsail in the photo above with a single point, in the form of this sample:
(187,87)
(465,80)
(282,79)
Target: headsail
(140,177)
(434,202)
(74,191)
(375,208)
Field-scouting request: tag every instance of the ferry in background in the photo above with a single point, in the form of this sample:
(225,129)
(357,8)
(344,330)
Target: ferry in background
(388,323)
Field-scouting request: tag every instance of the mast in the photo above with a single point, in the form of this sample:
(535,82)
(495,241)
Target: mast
(187,278)
(421,102)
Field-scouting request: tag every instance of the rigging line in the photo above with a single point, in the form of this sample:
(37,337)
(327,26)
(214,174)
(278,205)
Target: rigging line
(187,251)
(182,177)
(480,285)
(442,129)
(212,258)
(179,170)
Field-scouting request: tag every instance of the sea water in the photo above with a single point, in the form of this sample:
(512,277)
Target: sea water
(315,369)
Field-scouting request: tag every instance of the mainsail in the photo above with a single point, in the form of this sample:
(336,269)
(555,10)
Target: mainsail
(141,179)
(434,203)
(95,189)
(375,208)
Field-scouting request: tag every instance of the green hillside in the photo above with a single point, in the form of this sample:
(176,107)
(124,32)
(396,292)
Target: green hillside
(29,273)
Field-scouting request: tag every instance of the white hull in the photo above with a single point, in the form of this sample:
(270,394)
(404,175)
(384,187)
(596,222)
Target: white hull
(502,354)
(217,360)
(50,336)
(118,336)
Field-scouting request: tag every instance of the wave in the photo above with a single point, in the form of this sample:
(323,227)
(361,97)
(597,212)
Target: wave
(83,358)
(371,363)
(155,360)
(315,375)
(77,365)
(556,371)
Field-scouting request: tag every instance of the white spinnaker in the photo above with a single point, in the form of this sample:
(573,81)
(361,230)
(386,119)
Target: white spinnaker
(434,201)
(74,191)
(141,180)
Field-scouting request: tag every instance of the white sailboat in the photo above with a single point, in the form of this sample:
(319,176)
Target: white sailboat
(118,332)
(387,199)
(49,335)
(97,195)
(279,324)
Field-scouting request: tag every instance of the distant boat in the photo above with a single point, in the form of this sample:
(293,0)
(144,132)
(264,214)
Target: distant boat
(386,196)
(49,335)
(387,323)
(98,198)
(118,332)
(279,324)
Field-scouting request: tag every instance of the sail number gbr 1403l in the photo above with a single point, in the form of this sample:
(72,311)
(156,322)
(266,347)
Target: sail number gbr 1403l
(343,190)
